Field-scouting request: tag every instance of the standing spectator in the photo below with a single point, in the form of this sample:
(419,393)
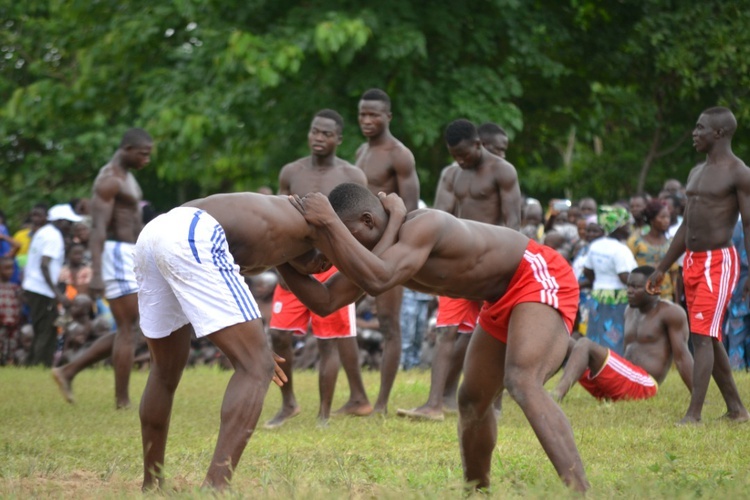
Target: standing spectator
(737,323)
(607,267)
(10,311)
(37,218)
(116,222)
(46,257)
(9,248)
(650,248)
(717,190)
(415,309)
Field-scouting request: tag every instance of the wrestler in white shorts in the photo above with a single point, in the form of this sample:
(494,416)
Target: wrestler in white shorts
(117,269)
(187,275)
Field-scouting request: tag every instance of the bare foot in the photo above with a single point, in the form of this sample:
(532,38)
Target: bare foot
(355,409)
(380,410)
(736,416)
(281,417)
(63,384)
(123,405)
(689,420)
(422,413)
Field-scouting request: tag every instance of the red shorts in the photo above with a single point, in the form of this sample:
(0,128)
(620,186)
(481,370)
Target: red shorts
(710,278)
(543,276)
(461,312)
(619,379)
(289,314)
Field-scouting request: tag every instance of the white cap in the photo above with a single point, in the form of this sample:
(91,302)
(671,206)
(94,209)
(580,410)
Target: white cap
(63,211)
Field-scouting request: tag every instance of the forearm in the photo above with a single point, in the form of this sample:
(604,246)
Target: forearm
(321,298)
(96,247)
(50,283)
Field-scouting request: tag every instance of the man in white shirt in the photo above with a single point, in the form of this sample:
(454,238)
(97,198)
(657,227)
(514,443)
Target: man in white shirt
(45,260)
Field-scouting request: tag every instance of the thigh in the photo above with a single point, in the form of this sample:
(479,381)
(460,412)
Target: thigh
(537,341)
(484,366)
(245,345)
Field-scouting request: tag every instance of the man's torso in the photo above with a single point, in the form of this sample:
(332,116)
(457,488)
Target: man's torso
(126,222)
(377,164)
(647,341)
(305,178)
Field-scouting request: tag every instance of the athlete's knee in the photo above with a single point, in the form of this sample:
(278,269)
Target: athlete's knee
(281,339)
(390,327)
(521,384)
(472,404)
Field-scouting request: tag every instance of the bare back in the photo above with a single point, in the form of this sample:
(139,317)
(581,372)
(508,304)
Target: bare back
(713,191)
(302,177)
(647,342)
(116,204)
(262,231)
(465,259)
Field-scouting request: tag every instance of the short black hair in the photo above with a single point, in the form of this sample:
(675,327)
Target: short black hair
(460,130)
(135,137)
(376,95)
(723,118)
(349,200)
(489,128)
(643,270)
(331,115)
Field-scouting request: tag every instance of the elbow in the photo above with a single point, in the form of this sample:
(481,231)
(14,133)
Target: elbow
(324,310)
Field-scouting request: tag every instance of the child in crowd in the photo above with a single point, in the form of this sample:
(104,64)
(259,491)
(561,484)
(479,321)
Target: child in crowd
(10,310)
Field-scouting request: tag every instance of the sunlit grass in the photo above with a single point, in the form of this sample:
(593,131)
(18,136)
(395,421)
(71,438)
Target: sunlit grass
(87,450)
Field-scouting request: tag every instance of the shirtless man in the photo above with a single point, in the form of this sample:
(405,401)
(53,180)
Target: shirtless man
(656,332)
(523,331)
(494,138)
(389,167)
(116,223)
(718,190)
(321,172)
(209,240)
(478,186)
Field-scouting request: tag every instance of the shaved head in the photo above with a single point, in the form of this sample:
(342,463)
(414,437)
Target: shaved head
(722,118)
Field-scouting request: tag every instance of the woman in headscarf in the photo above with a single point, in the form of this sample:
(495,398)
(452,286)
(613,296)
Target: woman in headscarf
(607,267)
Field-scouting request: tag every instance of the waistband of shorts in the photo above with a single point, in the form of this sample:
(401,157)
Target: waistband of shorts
(702,253)
(531,246)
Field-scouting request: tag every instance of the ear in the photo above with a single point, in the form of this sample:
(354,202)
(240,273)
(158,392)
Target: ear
(368,220)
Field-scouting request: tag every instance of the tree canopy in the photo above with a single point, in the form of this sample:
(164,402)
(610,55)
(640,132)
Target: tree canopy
(599,98)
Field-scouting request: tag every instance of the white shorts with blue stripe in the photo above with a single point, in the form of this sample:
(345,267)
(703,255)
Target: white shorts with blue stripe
(118,270)
(187,275)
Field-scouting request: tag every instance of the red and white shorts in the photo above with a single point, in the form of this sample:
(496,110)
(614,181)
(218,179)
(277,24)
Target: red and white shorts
(619,379)
(289,314)
(461,312)
(710,278)
(543,276)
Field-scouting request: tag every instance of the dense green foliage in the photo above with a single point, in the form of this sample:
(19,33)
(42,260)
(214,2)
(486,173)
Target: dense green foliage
(598,97)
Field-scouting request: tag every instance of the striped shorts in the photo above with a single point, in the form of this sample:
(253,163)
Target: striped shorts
(619,379)
(187,275)
(118,270)
(710,278)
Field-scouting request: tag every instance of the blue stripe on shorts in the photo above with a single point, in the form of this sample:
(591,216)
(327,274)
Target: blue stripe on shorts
(191,235)
(239,292)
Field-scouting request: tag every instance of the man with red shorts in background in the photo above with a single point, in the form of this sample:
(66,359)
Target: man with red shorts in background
(656,332)
(336,333)
(718,191)
(478,186)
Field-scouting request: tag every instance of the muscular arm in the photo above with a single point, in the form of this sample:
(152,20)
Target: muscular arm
(406,178)
(374,273)
(445,197)
(320,298)
(284,178)
(743,199)
(102,207)
(510,197)
(678,331)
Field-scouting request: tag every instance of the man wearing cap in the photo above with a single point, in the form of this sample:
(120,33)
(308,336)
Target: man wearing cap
(45,260)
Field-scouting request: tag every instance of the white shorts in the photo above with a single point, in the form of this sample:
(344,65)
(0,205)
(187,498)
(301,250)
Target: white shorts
(118,270)
(187,275)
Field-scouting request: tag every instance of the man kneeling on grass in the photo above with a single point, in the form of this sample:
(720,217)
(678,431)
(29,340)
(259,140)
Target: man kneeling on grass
(656,331)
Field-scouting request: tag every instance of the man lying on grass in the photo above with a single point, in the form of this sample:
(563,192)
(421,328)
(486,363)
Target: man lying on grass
(656,331)
(523,331)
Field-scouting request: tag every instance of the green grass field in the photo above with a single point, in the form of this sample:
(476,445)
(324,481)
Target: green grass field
(49,448)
